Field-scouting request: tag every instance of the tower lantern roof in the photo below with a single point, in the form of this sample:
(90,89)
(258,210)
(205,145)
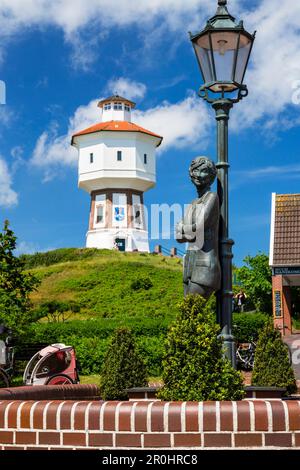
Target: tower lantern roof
(116,99)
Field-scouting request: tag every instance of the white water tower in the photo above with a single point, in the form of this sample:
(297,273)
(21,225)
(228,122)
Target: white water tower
(116,166)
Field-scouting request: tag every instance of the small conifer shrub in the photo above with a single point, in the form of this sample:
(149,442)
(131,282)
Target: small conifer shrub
(272,366)
(123,367)
(142,283)
(193,366)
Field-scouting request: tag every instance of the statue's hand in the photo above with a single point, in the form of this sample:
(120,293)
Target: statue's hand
(179,231)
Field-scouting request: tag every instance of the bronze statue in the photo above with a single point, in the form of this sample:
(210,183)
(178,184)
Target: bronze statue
(200,227)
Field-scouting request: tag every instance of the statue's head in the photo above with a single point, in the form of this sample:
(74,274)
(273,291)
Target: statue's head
(202,172)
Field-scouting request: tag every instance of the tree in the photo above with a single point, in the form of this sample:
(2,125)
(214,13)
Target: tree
(15,284)
(193,365)
(272,362)
(256,279)
(123,367)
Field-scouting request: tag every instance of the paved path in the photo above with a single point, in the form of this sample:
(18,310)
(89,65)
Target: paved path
(293,343)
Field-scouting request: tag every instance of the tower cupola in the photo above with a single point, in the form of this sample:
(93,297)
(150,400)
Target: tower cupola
(116,108)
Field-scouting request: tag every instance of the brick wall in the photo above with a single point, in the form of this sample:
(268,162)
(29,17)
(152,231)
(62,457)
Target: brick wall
(149,424)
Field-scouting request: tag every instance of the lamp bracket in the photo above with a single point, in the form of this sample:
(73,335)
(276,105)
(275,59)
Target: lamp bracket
(242,93)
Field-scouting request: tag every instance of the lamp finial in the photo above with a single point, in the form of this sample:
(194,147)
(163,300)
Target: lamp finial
(222,3)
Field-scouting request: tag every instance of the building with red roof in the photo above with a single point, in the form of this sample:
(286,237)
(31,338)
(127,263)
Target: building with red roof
(116,165)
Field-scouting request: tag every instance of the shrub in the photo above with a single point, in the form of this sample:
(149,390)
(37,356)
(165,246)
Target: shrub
(152,349)
(58,256)
(193,366)
(90,353)
(272,363)
(123,367)
(246,326)
(141,283)
(15,285)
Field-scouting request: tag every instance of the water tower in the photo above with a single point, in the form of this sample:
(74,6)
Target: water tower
(116,166)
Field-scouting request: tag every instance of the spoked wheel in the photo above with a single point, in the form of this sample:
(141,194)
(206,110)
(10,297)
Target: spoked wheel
(4,380)
(59,379)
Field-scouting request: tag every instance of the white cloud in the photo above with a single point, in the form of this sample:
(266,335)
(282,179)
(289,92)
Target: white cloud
(181,124)
(17,158)
(284,171)
(186,123)
(127,88)
(84,22)
(7,115)
(281,172)
(52,149)
(72,15)
(8,197)
(274,67)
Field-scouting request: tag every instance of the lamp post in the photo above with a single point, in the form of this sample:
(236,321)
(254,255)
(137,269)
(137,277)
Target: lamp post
(223,50)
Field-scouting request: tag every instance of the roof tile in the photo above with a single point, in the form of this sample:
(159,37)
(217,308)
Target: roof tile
(287,230)
(119,126)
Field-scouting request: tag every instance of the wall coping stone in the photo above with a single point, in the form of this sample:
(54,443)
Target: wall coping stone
(67,424)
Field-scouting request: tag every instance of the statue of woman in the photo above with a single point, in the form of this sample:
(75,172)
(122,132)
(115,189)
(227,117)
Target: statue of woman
(200,227)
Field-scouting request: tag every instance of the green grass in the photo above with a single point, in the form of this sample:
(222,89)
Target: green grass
(101,285)
(296,323)
(110,289)
(90,379)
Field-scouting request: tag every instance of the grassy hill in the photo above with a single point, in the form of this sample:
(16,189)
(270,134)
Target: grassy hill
(109,284)
(108,289)
(101,290)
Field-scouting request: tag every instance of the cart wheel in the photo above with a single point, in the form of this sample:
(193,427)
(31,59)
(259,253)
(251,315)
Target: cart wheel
(4,380)
(59,379)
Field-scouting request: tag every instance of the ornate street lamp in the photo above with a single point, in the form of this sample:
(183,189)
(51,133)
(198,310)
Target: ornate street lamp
(223,50)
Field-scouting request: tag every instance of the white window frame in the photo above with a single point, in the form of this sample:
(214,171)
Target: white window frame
(137,206)
(118,106)
(97,205)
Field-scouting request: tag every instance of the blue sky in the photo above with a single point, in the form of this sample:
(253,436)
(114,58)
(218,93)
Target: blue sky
(58,58)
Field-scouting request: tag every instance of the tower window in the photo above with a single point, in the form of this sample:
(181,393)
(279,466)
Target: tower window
(127,108)
(107,106)
(91,158)
(145,159)
(119,156)
(118,106)
(100,215)
(100,205)
(137,211)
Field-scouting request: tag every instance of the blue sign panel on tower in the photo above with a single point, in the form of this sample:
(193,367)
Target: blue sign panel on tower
(119,214)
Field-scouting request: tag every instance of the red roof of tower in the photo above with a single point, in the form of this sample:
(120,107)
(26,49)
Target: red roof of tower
(116,126)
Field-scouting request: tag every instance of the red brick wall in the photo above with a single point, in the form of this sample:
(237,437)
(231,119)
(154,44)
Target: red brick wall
(149,424)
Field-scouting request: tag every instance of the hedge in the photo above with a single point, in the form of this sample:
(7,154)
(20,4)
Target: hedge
(90,337)
(101,328)
(246,326)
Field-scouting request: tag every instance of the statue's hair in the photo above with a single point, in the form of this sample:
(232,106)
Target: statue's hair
(206,162)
